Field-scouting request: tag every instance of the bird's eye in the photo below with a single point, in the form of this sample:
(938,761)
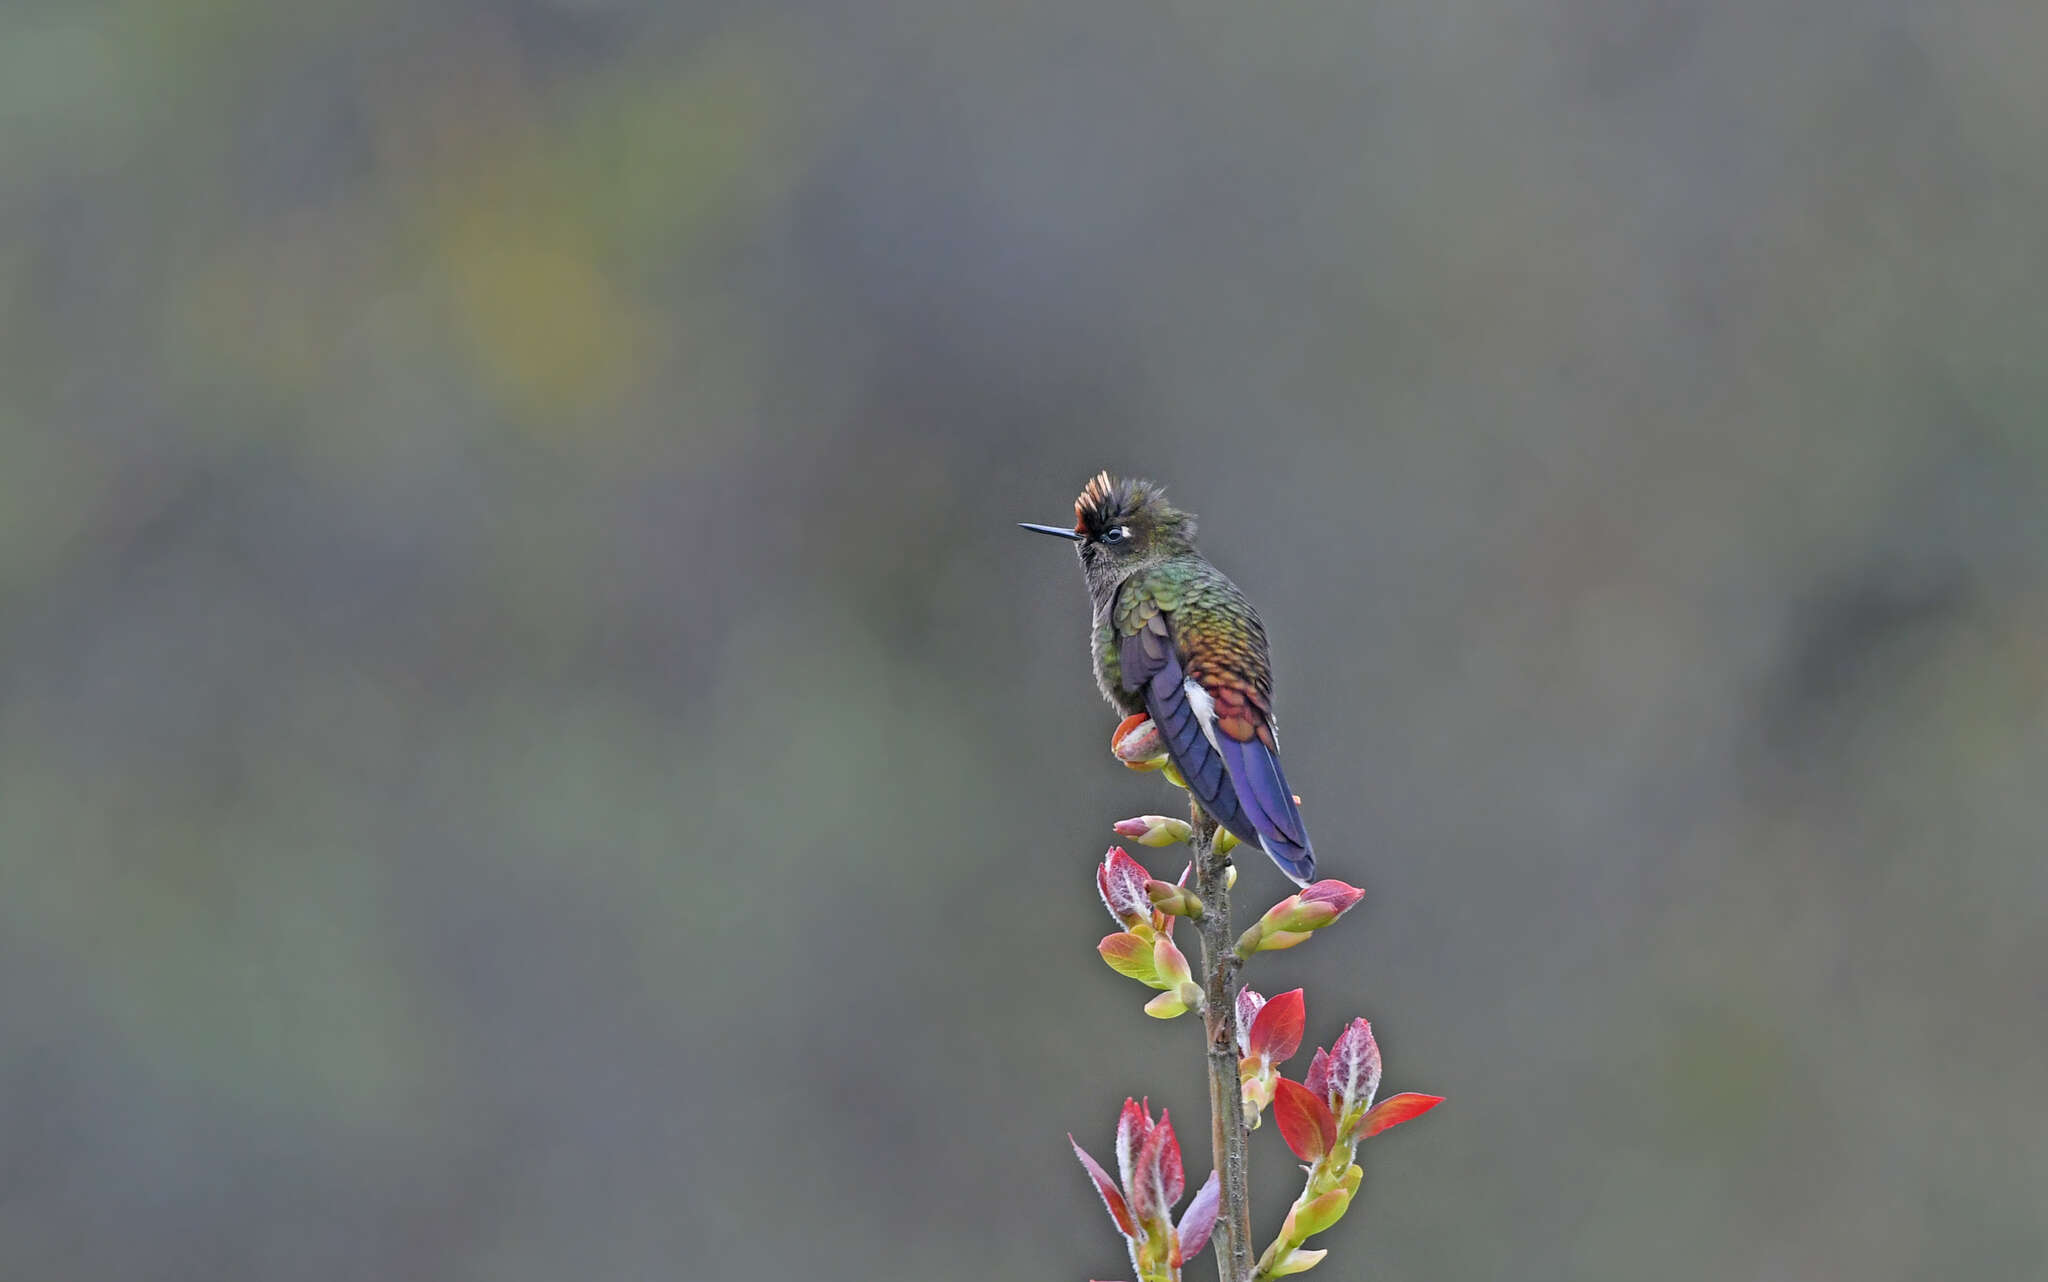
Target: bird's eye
(1117,534)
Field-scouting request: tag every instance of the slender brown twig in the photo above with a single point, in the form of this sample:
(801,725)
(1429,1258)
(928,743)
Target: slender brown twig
(1219,1016)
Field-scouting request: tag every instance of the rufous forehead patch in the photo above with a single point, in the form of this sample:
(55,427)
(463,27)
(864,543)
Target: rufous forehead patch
(1098,499)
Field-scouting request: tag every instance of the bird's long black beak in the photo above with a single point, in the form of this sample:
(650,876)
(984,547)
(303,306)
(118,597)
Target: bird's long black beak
(1053,530)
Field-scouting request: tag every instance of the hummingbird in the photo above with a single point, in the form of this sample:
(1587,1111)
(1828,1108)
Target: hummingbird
(1173,638)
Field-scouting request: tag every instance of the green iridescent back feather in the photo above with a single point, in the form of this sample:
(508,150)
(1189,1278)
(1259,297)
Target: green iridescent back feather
(1221,642)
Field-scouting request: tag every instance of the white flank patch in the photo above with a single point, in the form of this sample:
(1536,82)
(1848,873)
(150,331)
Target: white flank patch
(1205,713)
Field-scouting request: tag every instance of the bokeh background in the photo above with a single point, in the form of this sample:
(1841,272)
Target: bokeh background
(531,748)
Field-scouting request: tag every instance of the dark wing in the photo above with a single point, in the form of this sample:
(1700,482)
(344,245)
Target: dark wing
(1151,664)
(1234,768)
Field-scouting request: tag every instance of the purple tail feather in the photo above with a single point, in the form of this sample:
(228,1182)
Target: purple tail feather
(1268,804)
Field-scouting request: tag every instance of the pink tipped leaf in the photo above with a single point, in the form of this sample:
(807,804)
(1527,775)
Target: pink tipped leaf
(1249,1003)
(1309,909)
(1172,1174)
(1121,880)
(1354,1067)
(1154,830)
(1119,1211)
(1199,1220)
(1129,955)
(1318,1078)
(1394,1110)
(1133,1125)
(1306,1122)
(1170,962)
(1276,1032)
(1157,1181)
(1336,894)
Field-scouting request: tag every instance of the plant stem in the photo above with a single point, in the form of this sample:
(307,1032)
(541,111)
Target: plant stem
(1322,1177)
(1227,1132)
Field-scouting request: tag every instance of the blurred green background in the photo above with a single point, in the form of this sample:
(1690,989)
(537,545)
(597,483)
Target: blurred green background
(532,749)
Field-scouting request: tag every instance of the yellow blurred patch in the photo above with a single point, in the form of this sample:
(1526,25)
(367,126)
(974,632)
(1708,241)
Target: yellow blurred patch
(549,327)
(539,217)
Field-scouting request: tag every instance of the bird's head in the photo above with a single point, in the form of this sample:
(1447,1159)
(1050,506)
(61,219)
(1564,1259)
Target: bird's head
(1120,525)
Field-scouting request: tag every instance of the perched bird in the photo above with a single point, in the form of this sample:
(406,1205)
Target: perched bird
(1175,640)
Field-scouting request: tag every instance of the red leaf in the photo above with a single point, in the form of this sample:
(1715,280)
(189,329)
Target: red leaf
(1276,1033)
(1305,1121)
(1355,1066)
(1394,1110)
(1111,1199)
(1132,1126)
(1318,1079)
(1120,880)
(1199,1221)
(1249,1003)
(1172,1175)
(1158,1181)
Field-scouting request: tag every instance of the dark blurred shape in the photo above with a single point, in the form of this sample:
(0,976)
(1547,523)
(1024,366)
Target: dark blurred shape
(1844,631)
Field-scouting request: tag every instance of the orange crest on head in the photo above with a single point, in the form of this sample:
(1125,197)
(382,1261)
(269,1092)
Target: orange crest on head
(1097,503)
(1108,502)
